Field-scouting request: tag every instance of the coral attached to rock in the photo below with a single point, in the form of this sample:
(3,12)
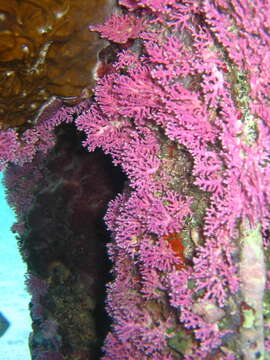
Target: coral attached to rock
(183,108)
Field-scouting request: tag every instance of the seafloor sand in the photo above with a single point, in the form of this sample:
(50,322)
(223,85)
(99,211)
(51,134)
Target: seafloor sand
(13,298)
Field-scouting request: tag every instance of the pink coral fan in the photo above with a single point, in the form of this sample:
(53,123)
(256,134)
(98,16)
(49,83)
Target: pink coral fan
(8,147)
(191,76)
(186,79)
(39,139)
(120,28)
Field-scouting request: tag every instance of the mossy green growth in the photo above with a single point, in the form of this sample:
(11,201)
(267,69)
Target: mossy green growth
(266,313)
(242,94)
(248,318)
(253,238)
(180,342)
(250,128)
(266,302)
(191,284)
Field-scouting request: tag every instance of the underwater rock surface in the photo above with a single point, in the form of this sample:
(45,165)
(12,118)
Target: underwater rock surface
(181,105)
(64,245)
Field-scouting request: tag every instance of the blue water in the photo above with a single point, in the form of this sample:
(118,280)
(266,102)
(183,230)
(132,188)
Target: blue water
(14,299)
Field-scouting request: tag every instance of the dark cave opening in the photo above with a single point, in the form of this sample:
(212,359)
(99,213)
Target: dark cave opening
(65,246)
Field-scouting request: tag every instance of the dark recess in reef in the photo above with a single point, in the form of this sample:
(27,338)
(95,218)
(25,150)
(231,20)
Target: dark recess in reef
(65,245)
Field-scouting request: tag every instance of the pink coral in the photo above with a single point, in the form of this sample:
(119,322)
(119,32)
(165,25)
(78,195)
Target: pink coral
(39,139)
(182,89)
(8,147)
(120,28)
(192,84)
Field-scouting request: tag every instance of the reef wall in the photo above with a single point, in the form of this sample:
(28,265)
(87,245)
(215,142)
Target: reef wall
(181,105)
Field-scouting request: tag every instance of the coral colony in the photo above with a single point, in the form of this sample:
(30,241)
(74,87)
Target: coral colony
(184,109)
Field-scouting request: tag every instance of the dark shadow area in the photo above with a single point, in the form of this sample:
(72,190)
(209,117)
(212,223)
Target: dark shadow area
(64,246)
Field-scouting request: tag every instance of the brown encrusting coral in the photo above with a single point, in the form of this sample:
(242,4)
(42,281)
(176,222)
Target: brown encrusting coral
(45,49)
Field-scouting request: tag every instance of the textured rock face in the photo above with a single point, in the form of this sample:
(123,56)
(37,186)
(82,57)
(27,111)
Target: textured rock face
(64,245)
(182,105)
(45,50)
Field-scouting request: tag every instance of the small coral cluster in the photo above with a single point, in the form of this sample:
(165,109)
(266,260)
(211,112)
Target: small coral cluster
(41,138)
(183,108)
